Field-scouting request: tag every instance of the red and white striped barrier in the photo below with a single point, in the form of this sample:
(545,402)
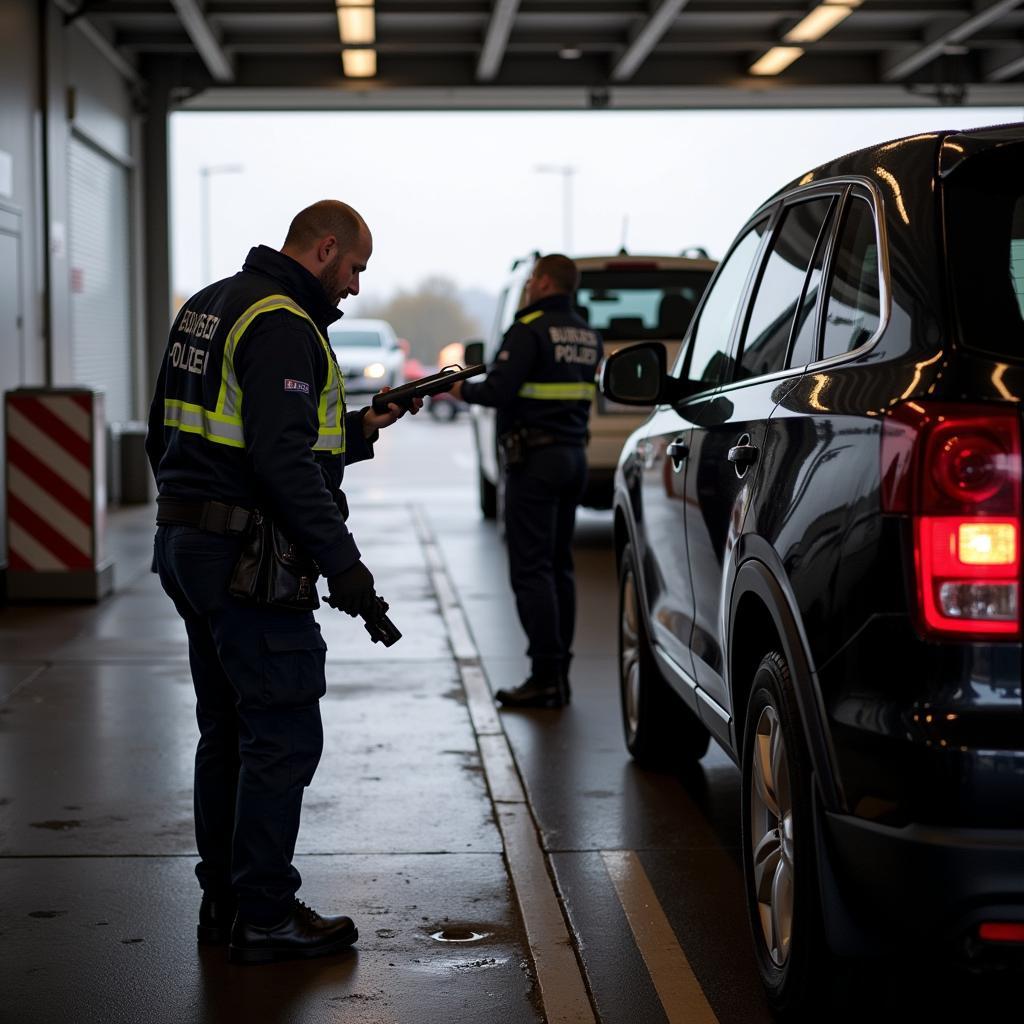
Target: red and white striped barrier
(56,494)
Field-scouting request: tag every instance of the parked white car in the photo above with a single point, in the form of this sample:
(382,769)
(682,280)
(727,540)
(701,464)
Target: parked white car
(628,299)
(368,353)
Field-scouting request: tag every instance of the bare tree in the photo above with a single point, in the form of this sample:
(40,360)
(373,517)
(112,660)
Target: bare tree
(430,317)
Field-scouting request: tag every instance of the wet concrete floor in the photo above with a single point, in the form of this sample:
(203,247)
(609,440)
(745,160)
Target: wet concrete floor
(97,895)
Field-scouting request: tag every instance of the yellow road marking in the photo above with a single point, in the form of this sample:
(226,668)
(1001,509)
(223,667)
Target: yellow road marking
(680,993)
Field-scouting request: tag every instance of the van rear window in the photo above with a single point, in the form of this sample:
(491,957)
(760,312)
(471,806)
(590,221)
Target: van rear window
(635,305)
(984,206)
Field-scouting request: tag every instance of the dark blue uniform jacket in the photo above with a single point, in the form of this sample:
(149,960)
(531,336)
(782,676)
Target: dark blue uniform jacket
(277,471)
(549,343)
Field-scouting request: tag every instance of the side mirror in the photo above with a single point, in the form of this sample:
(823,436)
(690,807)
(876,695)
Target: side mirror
(635,375)
(473,352)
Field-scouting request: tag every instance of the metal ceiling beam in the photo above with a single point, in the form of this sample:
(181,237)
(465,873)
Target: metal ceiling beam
(646,39)
(205,40)
(983,13)
(1002,65)
(503,15)
(109,51)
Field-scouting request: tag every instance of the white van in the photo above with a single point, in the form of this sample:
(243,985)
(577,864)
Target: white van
(628,299)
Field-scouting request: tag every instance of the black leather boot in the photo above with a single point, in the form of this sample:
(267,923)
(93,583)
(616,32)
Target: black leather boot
(216,915)
(536,692)
(302,935)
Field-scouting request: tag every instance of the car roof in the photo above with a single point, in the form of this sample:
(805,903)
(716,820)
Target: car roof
(928,154)
(637,261)
(356,324)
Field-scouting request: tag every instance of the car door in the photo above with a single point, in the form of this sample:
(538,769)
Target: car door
(663,453)
(728,437)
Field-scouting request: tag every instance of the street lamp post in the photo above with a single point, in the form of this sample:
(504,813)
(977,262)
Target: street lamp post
(566,171)
(205,172)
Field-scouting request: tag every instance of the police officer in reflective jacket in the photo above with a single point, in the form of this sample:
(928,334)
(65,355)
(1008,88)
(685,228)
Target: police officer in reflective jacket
(249,413)
(542,385)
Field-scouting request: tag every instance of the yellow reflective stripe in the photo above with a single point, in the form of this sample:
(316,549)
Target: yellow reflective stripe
(530,317)
(566,392)
(331,408)
(194,419)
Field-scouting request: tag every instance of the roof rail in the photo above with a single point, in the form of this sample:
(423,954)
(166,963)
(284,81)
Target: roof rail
(533,256)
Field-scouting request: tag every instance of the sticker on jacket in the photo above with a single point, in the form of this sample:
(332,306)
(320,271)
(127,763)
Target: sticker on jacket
(296,385)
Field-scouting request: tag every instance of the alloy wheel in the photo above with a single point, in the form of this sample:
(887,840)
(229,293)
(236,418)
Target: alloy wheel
(629,653)
(771,835)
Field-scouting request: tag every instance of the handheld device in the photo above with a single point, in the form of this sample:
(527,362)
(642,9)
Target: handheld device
(377,624)
(443,380)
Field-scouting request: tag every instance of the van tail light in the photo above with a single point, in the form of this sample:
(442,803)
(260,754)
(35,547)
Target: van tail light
(956,471)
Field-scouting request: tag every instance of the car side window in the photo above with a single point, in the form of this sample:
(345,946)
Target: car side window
(707,354)
(854,305)
(801,352)
(777,298)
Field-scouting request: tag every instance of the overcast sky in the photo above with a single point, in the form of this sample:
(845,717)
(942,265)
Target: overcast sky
(459,194)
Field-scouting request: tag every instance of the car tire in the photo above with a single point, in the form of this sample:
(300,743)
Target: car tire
(779,863)
(660,730)
(488,495)
(443,412)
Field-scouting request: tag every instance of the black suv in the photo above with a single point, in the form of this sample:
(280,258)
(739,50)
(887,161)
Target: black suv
(818,538)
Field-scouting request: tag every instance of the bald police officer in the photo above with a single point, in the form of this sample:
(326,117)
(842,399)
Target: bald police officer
(249,413)
(542,385)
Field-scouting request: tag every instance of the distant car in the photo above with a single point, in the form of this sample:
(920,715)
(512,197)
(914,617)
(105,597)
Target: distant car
(369,354)
(445,406)
(628,299)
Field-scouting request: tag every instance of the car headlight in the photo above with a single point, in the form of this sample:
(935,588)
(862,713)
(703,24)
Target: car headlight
(375,370)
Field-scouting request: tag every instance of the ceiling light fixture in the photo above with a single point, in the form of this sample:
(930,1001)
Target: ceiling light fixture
(356,25)
(570,53)
(820,21)
(815,24)
(359,63)
(776,60)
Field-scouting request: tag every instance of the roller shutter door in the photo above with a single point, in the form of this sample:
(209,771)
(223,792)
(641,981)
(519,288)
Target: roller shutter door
(99,244)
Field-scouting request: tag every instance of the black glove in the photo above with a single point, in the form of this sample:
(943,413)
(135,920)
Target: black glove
(352,591)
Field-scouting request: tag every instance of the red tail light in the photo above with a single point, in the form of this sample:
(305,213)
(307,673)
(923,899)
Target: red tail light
(1001,931)
(956,470)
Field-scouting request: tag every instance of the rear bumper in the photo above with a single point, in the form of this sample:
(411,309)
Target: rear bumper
(926,884)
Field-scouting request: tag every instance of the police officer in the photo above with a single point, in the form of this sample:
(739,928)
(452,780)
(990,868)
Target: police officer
(542,384)
(249,413)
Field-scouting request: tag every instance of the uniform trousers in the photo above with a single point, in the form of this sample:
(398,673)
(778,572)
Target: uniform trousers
(258,674)
(541,496)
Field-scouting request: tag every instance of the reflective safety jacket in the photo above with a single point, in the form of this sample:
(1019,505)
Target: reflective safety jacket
(249,406)
(543,375)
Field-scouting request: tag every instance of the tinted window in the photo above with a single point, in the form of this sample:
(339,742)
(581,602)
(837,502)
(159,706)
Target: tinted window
(356,339)
(633,305)
(985,215)
(854,296)
(708,351)
(803,348)
(780,287)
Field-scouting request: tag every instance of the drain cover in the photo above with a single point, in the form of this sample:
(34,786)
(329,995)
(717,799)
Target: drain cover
(455,934)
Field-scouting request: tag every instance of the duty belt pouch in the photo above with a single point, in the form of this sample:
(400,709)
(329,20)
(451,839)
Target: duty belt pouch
(273,571)
(513,447)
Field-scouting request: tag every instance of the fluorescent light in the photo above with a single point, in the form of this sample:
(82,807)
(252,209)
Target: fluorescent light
(359,63)
(777,59)
(356,24)
(821,20)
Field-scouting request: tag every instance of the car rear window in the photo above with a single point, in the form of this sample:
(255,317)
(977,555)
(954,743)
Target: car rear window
(984,204)
(635,305)
(356,339)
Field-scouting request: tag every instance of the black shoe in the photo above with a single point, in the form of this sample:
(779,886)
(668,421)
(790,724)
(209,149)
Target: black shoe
(536,692)
(216,914)
(302,935)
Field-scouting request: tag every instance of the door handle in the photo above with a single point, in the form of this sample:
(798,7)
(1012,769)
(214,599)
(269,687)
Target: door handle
(744,453)
(678,450)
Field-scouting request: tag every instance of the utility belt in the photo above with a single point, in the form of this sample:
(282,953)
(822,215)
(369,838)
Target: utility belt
(270,570)
(211,516)
(516,444)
